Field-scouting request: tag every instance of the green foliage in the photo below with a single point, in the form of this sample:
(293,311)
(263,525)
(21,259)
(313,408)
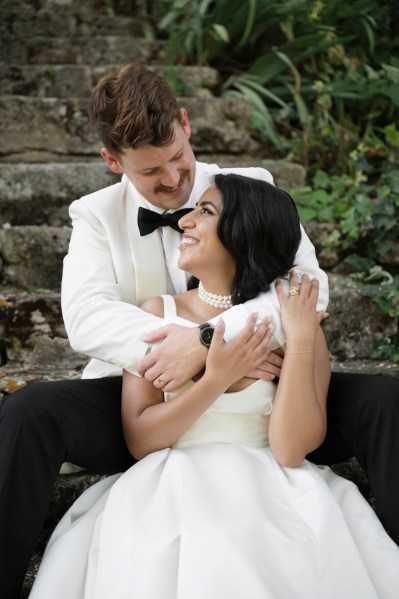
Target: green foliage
(386,295)
(364,207)
(363,204)
(320,75)
(191,31)
(386,349)
(52,73)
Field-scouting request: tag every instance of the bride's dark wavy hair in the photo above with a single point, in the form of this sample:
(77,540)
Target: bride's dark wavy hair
(259,226)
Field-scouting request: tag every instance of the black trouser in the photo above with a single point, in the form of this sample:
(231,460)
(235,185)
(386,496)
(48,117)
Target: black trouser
(79,421)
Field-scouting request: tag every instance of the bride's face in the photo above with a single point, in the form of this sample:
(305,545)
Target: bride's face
(201,250)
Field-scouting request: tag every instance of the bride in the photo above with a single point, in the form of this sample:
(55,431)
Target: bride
(223,503)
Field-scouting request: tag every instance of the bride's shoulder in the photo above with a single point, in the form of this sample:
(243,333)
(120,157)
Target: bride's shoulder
(171,304)
(154,305)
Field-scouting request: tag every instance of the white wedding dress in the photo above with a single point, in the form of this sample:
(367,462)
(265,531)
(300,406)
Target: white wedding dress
(216,517)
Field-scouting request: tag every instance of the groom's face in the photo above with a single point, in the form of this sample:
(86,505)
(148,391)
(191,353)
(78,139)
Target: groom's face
(163,176)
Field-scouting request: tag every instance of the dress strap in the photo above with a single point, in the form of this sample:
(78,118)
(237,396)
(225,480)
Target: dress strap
(169,306)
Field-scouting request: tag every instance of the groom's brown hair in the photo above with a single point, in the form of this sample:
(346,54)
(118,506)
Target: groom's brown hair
(133,109)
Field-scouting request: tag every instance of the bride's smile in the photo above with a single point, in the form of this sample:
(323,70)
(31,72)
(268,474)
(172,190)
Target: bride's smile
(201,251)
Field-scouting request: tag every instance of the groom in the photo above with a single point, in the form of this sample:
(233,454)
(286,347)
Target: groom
(120,254)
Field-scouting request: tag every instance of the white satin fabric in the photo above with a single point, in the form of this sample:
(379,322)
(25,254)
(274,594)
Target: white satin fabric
(216,517)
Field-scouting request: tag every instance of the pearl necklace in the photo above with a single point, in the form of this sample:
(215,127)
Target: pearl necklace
(217,301)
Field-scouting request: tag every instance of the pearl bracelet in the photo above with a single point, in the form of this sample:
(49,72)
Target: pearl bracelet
(298,350)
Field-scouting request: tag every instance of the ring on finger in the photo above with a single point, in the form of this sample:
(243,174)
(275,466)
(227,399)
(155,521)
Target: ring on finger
(294,291)
(161,382)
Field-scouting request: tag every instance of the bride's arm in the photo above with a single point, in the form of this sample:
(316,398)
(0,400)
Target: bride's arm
(150,424)
(298,419)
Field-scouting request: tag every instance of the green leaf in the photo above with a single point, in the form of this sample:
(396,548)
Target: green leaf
(221,32)
(306,214)
(252,5)
(321,179)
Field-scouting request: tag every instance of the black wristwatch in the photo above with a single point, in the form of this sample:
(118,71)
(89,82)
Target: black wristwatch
(206,331)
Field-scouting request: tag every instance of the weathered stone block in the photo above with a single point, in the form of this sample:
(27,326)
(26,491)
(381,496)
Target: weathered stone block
(36,194)
(66,21)
(32,256)
(15,376)
(33,336)
(328,251)
(95,50)
(62,127)
(65,81)
(46,124)
(41,193)
(355,322)
(219,124)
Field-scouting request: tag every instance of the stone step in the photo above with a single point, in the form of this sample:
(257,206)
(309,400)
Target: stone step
(365,366)
(36,194)
(124,8)
(32,335)
(64,81)
(28,21)
(94,50)
(14,376)
(355,323)
(34,129)
(33,339)
(31,256)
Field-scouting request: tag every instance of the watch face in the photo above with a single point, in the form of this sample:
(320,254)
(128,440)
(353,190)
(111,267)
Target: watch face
(206,335)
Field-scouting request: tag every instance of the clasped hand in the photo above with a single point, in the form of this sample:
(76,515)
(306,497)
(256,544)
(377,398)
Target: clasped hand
(180,356)
(234,360)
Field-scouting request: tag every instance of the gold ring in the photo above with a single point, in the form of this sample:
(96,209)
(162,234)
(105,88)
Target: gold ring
(293,291)
(161,382)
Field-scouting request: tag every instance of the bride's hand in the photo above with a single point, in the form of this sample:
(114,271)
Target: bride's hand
(233,360)
(298,310)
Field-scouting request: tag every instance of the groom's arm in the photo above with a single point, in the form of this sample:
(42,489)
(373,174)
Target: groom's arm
(100,323)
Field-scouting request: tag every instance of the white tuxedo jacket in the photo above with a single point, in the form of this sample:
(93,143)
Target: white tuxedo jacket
(110,270)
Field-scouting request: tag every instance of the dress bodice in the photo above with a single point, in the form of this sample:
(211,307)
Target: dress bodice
(240,417)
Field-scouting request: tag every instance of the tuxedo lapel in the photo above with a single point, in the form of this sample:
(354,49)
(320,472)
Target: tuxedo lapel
(147,252)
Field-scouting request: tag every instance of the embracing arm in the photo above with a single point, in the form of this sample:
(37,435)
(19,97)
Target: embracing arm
(150,424)
(298,420)
(98,289)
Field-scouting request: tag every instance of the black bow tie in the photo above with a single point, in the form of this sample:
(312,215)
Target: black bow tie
(148,220)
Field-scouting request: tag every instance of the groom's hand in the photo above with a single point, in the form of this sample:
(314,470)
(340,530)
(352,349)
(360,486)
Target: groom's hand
(271,367)
(178,358)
